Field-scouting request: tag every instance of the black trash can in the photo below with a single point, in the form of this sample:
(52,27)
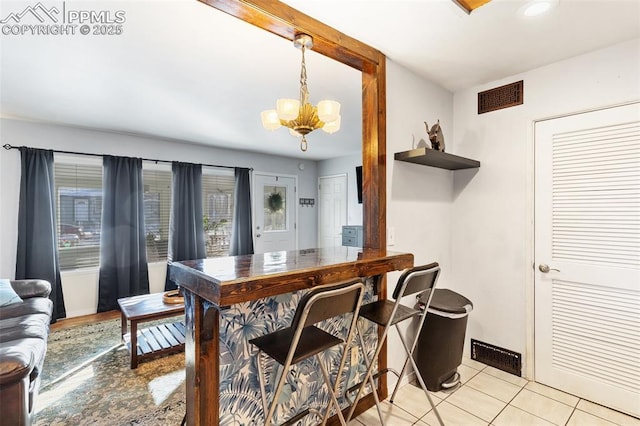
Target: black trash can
(439,349)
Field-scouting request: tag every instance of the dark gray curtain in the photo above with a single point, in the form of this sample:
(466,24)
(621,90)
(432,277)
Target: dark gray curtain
(123,251)
(242,228)
(37,253)
(186,228)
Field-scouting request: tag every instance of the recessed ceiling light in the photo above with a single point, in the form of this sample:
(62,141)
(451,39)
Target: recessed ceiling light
(537,7)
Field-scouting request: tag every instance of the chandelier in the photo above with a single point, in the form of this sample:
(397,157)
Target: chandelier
(300,116)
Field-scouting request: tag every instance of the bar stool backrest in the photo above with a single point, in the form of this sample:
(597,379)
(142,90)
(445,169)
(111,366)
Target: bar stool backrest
(326,302)
(417,280)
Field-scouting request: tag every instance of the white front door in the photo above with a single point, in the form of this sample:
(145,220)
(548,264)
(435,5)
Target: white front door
(587,256)
(332,205)
(274,206)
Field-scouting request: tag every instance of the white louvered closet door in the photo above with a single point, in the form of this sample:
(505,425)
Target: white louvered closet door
(587,231)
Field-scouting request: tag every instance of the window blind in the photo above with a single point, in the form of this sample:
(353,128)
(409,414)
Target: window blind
(217,205)
(78,189)
(157,209)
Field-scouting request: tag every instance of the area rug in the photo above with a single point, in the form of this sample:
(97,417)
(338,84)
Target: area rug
(87,381)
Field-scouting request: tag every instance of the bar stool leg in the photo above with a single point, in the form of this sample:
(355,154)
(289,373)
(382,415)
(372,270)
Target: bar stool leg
(372,382)
(404,367)
(348,346)
(381,341)
(276,395)
(332,395)
(418,375)
(261,379)
(426,392)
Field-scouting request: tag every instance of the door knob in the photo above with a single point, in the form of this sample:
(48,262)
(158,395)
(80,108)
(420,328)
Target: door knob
(545,268)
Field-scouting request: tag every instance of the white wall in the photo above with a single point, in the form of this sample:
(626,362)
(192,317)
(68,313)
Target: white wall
(492,210)
(418,197)
(345,165)
(80,287)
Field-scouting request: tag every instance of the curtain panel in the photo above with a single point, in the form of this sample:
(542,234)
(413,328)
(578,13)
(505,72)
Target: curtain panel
(123,251)
(37,251)
(186,227)
(242,227)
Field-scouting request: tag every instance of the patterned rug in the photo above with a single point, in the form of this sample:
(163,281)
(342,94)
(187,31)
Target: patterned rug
(87,380)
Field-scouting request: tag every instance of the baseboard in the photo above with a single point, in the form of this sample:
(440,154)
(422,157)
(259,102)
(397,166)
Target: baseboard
(80,313)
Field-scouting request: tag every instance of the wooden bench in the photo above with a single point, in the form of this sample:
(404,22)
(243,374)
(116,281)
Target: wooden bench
(155,340)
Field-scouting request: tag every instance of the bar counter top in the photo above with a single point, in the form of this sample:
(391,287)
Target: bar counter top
(225,281)
(248,284)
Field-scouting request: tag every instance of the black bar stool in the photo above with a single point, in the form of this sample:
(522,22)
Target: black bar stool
(303,340)
(385,313)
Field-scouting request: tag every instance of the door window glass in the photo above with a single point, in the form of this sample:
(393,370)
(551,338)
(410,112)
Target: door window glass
(275,208)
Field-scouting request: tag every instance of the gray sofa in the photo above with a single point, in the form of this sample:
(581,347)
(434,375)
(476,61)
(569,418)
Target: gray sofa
(24,328)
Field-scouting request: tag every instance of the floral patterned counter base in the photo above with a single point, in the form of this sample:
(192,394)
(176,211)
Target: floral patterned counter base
(229,300)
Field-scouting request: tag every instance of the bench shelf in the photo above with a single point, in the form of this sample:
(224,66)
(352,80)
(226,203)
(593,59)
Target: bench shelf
(158,340)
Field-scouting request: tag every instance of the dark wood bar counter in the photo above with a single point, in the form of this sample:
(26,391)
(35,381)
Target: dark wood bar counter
(220,293)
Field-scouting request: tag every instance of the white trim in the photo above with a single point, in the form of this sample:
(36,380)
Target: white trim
(332,176)
(529,282)
(583,111)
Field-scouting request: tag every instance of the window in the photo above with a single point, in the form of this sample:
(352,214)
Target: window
(78,183)
(217,206)
(78,188)
(275,208)
(157,209)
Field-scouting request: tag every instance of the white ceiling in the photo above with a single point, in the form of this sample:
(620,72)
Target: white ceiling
(182,70)
(438,40)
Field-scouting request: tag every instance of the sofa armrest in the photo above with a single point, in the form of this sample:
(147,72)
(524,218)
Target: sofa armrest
(31,288)
(16,397)
(16,363)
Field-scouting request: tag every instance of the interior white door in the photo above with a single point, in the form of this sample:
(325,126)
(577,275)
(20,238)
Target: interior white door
(274,206)
(587,256)
(332,205)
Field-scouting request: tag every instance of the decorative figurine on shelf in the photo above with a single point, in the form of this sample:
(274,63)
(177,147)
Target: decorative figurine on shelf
(421,143)
(435,136)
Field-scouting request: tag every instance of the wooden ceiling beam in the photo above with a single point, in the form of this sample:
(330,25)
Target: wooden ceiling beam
(285,21)
(470,5)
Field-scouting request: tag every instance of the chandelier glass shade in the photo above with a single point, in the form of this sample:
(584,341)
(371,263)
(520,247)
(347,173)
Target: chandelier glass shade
(300,116)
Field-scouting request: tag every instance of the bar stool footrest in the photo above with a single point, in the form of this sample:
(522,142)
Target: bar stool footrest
(375,377)
(295,419)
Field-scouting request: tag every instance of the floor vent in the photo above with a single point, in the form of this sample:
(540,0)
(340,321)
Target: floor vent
(500,358)
(501,97)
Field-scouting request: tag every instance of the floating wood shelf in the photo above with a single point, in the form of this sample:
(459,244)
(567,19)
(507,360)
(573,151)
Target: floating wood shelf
(433,158)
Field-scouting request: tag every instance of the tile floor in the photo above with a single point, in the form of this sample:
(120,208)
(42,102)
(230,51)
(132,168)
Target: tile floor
(492,397)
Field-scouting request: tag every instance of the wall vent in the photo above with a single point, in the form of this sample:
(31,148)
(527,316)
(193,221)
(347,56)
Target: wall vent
(500,358)
(501,97)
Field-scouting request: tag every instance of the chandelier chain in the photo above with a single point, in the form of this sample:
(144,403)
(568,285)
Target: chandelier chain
(304,91)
